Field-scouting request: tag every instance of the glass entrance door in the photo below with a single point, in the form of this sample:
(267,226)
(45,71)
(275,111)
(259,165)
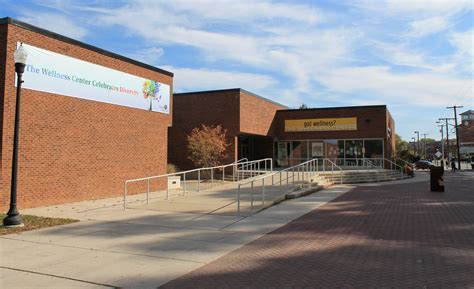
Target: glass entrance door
(283,153)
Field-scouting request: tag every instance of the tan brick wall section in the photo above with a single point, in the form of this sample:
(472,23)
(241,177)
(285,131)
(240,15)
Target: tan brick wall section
(72,149)
(256,114)
(194,109)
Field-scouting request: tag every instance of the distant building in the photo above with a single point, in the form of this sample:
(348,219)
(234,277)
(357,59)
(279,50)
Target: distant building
(466,133)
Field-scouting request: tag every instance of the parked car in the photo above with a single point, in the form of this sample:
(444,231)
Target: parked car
(423,164)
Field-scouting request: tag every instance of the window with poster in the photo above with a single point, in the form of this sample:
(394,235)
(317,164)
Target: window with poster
(317,149)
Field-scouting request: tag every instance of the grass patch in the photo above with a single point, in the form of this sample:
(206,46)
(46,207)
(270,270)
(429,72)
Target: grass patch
(34,223)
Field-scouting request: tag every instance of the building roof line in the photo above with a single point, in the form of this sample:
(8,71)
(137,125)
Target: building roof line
(337,107)
(230,90)
(24,25)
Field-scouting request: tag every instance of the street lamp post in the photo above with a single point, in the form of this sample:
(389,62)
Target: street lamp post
(446,119)
(417,142)
(13,218)
(424,144)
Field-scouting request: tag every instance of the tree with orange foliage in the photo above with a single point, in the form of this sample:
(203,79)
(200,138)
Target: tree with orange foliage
(207,146)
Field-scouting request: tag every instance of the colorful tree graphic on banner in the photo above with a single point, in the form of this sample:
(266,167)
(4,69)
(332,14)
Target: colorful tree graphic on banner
(151,91)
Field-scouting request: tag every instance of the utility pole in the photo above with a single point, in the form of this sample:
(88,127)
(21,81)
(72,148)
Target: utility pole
(441,126)
(418,142)
(447,135)
(424,143)
(457,133)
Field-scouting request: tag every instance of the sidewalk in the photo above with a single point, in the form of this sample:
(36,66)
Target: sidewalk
(399,235)
(142,247)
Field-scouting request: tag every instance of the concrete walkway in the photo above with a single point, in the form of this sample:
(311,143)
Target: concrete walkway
(142,247)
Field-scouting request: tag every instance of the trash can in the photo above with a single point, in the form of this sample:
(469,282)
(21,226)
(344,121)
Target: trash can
(436,179)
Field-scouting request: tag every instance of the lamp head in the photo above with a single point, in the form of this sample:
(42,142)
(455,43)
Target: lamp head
(20,55)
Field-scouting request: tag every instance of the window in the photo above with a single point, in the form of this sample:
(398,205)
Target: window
(373,148)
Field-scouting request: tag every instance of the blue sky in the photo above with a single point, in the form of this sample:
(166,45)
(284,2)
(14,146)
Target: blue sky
(414,56)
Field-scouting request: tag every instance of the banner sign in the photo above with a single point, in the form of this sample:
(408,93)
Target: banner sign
(56,73)
(321,124)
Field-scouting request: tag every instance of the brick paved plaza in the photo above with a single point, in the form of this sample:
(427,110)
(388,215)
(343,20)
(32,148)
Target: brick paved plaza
(397,236)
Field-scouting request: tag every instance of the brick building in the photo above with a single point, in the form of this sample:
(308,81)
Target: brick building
(466,133)
(259,128)
(247,117)
(77,146)
(343,133)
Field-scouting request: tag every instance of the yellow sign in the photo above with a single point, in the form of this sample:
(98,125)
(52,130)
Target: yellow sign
(321,124)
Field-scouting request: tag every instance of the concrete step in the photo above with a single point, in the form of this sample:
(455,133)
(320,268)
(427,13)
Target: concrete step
(301,192)
(355,180)
(358,173)
(316,184)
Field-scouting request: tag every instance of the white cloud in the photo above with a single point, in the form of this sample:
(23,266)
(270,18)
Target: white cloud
(318,55)
(148,55)
(186,79)
(400,54)
(384,86)
(427,26)
(415,8)
(464,42)
(239,11)
(55,22)
(287,48)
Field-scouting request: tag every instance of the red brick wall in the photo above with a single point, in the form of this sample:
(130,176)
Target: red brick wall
(256,114)
(72,149)
(195,109)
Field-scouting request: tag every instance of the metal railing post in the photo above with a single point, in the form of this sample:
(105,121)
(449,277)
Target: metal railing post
(233,173)
(125,197)
(293,177)
(223,174)
(212,177)
(238,201)
(251,196)
(184,184)
(148,191)
(199,180)
(263,192)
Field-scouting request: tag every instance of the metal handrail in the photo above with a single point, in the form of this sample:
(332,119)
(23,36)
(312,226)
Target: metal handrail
(376,167)
(303,171)
(406,163)
(392,163)
(253,167)
(236,167)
